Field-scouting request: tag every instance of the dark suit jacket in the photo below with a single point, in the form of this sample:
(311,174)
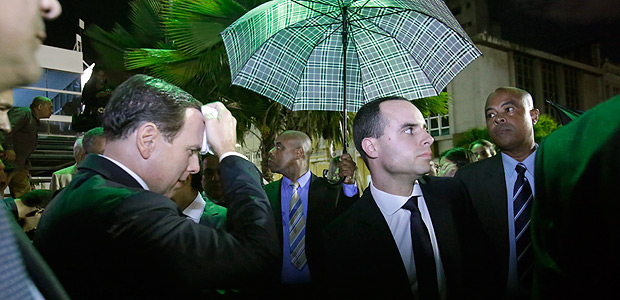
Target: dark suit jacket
(486,183)
(575,223)
(363,259)
(325,202)
(108,238)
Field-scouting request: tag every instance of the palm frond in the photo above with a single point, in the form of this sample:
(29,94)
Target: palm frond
(195,26)
(146,20)
(435,105)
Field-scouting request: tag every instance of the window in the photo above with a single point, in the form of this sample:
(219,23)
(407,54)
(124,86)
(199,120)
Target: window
(438,125)
(549,86)
(61,87)
(571,87)
(524,72)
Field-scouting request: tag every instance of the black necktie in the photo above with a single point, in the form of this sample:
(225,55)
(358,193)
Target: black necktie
(423,254)
(522,205)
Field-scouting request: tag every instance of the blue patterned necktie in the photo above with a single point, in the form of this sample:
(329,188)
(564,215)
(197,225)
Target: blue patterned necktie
(423,255)
(522,205)
(297,229)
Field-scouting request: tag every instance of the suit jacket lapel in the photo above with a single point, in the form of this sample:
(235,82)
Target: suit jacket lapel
(273,193)
(373,227)
(443,224)
(496,189)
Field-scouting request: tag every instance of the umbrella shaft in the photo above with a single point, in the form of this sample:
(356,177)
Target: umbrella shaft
(345,39)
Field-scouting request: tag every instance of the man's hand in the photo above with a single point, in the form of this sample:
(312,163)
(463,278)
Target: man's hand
(346,168)
(9,155)
(448,169)
(221,131)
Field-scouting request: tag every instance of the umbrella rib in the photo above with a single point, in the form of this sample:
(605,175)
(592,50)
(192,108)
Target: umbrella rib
(318,2)
(316,11)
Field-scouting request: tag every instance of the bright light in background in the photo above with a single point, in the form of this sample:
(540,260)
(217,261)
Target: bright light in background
(86,75)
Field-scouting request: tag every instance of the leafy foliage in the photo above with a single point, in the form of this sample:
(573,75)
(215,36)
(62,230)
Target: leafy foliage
(467,137)
(546,124)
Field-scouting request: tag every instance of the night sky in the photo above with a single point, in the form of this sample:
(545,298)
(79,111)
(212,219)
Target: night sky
(549,25)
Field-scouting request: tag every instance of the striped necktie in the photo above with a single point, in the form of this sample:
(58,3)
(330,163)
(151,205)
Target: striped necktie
(423,255)
(297,229)
(522,205)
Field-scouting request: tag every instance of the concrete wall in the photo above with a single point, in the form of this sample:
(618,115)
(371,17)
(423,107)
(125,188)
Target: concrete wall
(471,87)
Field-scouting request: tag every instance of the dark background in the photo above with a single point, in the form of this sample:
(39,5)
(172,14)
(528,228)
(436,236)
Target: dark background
(554,26)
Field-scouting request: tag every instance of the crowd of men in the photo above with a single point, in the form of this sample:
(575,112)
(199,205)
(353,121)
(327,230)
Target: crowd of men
(141,215)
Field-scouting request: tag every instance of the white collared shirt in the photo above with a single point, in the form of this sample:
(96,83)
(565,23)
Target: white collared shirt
(398,220)
(195,209)
(129,171)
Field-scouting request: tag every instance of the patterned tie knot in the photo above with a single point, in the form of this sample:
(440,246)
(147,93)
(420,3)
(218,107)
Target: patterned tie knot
(520,168)
(411,204)
(294,185)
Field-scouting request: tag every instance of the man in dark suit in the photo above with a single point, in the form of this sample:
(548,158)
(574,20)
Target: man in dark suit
(114,233)
(319,202)
(510,118)
(409,235)
(23,273)
(575,226)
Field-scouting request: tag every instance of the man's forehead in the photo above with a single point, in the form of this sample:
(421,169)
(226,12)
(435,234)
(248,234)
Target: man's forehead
(502,97)
(400,109)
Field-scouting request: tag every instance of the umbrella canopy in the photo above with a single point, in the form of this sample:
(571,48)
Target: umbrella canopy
(566,114)
(297,52)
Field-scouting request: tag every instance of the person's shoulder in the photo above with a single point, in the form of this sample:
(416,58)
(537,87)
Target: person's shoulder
(480,166)
(441,183)
(65,171)
(273,185)
(350,218)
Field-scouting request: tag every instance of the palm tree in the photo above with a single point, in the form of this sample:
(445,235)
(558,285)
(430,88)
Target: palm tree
(185,48)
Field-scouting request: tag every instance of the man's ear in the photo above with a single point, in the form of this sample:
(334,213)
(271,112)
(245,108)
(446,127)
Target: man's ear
(370,148)
(146,138)
(299,152)
(534,113)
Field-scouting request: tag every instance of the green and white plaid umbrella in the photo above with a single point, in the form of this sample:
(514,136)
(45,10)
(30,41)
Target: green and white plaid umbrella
(296,51)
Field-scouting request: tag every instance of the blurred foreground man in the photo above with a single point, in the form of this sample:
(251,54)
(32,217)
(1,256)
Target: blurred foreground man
(576,230)
(114,233)
(409,236)
(23,273)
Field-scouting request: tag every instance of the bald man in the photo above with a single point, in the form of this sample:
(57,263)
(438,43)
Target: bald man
(302,221)
(502,187)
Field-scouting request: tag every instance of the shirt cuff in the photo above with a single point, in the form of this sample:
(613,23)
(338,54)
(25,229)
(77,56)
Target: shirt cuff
(226,154)
(349,189)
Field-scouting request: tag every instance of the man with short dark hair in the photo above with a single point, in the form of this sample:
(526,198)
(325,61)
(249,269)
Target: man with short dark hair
(502,187)
(94,141)
(126,238)
(211,181)
(21,142)
(409,236)
(194,203)
(482,149)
